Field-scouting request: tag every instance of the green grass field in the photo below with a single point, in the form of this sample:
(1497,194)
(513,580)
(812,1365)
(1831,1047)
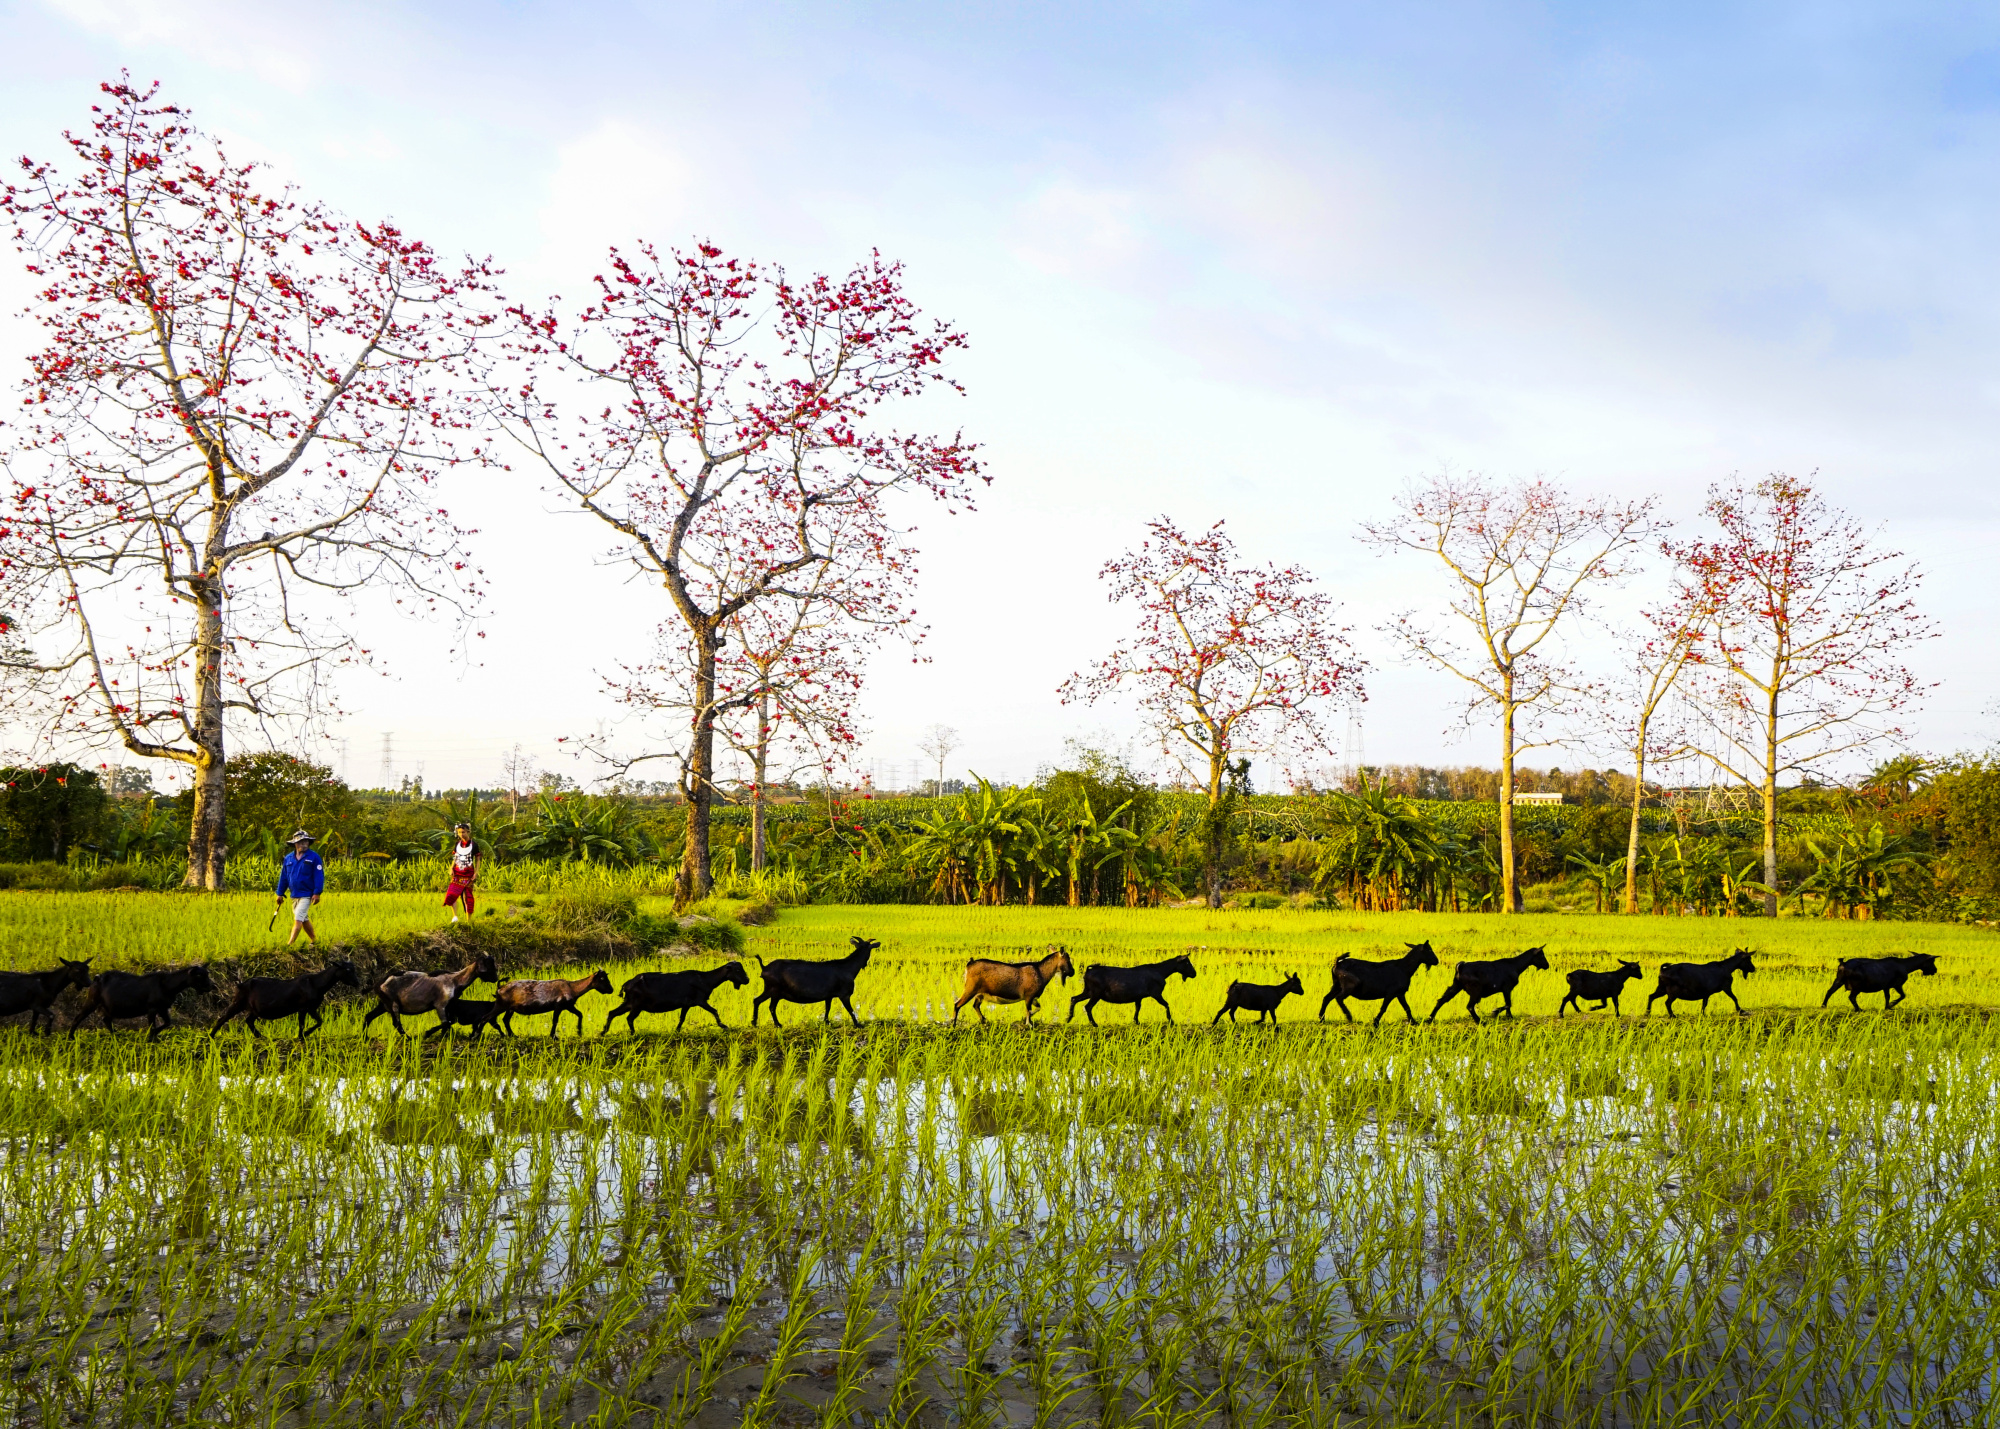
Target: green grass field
(917,974)
(1779,1220)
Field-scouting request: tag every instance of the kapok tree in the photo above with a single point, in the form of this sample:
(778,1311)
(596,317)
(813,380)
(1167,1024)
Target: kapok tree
(1668,642)
(789,672)
(1810,625)
(728,425)
(1227,660)
(241,404)
(1520,562)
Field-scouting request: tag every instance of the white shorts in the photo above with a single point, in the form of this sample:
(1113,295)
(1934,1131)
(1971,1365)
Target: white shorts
(302,910)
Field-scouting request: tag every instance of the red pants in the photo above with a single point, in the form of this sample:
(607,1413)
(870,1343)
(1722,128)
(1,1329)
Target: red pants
(459,892)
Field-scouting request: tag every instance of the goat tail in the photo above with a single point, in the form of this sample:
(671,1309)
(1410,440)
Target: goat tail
(760,963)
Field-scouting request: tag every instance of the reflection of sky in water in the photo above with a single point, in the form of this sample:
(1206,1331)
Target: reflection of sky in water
(1239,1191)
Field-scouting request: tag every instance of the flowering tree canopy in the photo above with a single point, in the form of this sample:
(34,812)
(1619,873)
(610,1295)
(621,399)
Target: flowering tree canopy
(241,402)
(1227,659)
(1809,627)
(728,424)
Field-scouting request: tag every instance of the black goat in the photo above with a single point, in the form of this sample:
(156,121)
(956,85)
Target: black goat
(1133,985)
(1698,982)
(267,999)
(464,1012)
(680,992)
(1490,977)
(793,980)
(148,995)
(1600,988)
(36,993)
(1383,982)
(1883,975)
(1260,998)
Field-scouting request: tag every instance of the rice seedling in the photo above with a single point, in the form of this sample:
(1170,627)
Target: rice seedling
(1782,1219)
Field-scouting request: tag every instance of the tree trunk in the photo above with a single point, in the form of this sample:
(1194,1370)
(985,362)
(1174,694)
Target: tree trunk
(1632,834)
(760,763)
(208,846)
(1771,800)
(698,779)
(1510,890)
(1212,834)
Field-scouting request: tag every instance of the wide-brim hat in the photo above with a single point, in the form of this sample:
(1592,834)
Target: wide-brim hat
(301,837)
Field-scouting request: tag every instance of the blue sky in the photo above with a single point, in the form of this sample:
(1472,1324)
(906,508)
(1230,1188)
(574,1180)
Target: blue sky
(1255,262)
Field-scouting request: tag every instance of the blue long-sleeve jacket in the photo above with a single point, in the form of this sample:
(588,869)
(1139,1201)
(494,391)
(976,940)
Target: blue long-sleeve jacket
(302,875)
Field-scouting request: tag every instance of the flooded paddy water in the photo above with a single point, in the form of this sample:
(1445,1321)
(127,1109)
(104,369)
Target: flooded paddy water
(1768,1221)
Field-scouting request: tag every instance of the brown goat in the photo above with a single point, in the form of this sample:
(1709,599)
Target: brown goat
(988,981)
(532,997)
(412,993)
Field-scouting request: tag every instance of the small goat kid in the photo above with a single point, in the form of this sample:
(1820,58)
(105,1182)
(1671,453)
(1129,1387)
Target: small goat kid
(464,1012)
(409,993)
(1883,975)
(1600,988)
(1489,977)
(989,981)
(1133,985)
(1383,982)
(36,993)
(1260,998)
(1698,982)
(680,992)
(266,999)
(534,997)
(794,980)
(148,995)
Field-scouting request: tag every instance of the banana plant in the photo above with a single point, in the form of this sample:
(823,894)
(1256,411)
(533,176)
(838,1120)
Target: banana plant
(1601,874)
(583,830)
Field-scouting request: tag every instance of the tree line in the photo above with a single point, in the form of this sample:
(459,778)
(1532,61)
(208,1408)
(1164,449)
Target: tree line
(242,406)
(1916,839)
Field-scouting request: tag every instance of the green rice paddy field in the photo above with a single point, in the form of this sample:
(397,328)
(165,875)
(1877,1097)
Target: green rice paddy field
(1789,1218)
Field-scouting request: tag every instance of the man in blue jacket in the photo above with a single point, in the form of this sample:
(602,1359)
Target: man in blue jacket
(302,878)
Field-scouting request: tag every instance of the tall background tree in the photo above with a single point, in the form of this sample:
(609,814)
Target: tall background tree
(240,406)
(1669,639)
(728,425)
(788,672)
(1520,562)
(1227,660)
(937,745)
(1811,623)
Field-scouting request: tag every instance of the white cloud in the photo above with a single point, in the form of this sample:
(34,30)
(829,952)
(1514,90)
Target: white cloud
(1071,229)
(278,44)
(614,185)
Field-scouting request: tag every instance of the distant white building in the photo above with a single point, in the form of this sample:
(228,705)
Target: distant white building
(1542,797)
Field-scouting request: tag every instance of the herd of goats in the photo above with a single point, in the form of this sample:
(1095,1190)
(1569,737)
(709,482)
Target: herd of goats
(119,996)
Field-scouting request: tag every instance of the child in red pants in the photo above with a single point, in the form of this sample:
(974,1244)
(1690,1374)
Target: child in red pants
(464,870)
